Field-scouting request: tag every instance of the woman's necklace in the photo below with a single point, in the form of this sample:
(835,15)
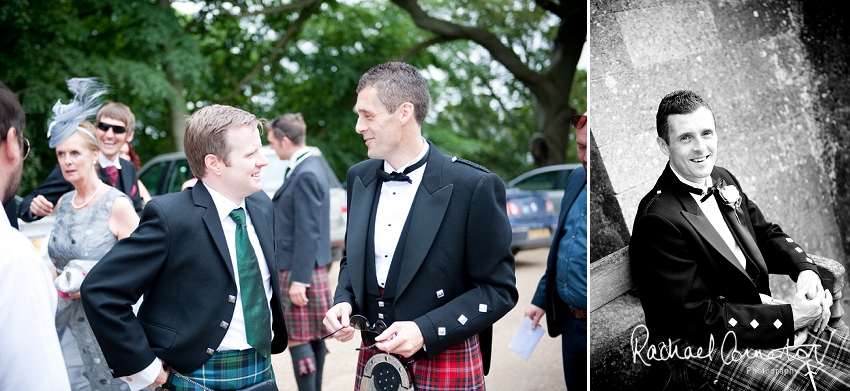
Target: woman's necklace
(75,206)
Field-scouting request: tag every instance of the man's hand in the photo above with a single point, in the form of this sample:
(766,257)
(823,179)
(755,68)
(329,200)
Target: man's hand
(826,302)
(162,377)
(298,295)
(337,320)
(806,312)
(809,282)
(40,206)
(535,313)
(402,338)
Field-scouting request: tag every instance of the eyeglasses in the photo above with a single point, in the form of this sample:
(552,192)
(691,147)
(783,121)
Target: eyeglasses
(359,322)
(579,121)
(25,148)
(115,128)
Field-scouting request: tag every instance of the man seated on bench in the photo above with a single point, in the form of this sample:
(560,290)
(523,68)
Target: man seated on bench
(700,253)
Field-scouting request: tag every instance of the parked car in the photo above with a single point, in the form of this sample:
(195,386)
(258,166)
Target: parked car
(532,217)
(550,179)
(166,174)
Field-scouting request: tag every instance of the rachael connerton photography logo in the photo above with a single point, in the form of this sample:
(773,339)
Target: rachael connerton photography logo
(671,349)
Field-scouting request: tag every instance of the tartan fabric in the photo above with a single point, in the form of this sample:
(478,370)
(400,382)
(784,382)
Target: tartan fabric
(305,323)
(457,369)
(226,370)
(822,363)
(306,366)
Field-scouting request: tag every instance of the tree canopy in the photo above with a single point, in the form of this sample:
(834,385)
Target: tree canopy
(496,69)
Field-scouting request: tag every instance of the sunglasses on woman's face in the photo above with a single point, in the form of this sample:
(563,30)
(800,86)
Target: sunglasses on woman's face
(579,121)
(115,128)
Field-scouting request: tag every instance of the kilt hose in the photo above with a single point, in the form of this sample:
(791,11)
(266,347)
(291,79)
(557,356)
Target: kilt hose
(457,369)
(227,370)
(822,363)
(305,323)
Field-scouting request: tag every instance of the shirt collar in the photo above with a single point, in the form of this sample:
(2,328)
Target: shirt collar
(105,162)
(4,219)
(702,186)
(299,157)
(422,153)
(222,204)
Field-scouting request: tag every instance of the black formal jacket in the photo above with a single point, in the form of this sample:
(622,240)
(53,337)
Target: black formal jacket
(55,186)
(302,208)
(177,258)
(692,286)
(457,276)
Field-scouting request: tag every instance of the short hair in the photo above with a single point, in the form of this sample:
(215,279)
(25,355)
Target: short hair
(120,112)
(206,133)
(396,83)
(677,102)
(291,126)
(11,113)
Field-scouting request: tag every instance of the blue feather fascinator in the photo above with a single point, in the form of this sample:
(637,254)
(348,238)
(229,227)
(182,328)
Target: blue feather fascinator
(87,100)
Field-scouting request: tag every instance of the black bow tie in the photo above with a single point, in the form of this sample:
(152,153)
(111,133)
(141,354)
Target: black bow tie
(718,184)
(401,176)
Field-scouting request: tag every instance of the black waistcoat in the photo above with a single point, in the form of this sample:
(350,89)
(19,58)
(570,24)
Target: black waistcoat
(377,306)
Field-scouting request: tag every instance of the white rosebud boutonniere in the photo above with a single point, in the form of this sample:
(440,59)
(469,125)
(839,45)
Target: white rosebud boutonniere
(730,196)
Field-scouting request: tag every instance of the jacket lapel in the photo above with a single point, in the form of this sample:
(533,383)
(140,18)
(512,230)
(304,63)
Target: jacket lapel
(429,208)
(363,192)
(745,238)
(204,200)
(694,216)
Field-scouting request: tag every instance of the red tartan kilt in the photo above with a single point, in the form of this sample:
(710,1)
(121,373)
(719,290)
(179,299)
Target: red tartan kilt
(305,323)
(458,368)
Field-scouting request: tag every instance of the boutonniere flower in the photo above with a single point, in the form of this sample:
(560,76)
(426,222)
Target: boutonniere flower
(729,195)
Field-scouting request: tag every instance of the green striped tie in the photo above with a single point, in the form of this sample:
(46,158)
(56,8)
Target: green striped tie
(255,306)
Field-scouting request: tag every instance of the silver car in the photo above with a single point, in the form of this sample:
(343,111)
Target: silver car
(550,179)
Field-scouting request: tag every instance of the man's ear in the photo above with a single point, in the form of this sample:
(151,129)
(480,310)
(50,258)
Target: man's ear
(213,164)
(10,145)
(662,145)
(407,112)
(130,134)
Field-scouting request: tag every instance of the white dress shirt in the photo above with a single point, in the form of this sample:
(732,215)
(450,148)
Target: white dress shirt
(394,204)
(235,338)
(104,162)
(295,159)
(712,212)
(30,355)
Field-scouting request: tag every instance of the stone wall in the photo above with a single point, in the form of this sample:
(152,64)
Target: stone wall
(750,60)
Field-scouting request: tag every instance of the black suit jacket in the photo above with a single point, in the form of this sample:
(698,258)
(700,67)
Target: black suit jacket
(302,208)
(457,260)
(546,296)
(177,258)
(692,286)
(55,186)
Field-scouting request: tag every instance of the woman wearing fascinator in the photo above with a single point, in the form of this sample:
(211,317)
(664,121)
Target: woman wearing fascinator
(89,220)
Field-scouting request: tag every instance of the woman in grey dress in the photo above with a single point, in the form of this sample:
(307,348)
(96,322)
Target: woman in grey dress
(89,221)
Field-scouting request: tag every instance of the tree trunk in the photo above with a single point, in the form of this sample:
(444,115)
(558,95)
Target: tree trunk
(550,89)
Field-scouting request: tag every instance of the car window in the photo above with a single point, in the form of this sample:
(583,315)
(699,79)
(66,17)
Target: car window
(561,179)
(179,174)
(152,177)
(272,174)
(542,181)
